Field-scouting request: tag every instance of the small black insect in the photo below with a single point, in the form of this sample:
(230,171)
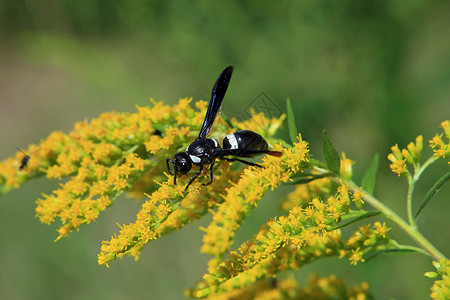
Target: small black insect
(204,151)
(24,161)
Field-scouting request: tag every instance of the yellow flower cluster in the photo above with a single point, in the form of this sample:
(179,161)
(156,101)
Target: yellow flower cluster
(364,240)
(287,288)
(289,242)
(244,195)
(439,146)
(104,158)
(166,210)
(303,194)
(413,152)
(411,155)
(441,288)
(260,123)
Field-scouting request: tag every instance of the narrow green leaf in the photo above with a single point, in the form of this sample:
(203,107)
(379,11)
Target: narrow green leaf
(291,122)
(366,215)
(432,192)
(331,154)
(308,178)
(377,253)
(368,181)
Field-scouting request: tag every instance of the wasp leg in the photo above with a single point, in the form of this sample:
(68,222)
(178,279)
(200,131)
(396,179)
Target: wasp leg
(175,170)
(242,161)
(211,179)
(193,178)
(168,167)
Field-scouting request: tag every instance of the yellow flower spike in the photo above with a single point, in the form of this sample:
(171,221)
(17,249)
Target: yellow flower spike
(101,168)
(108,155)
(231,213)
(254,266)
(160,216)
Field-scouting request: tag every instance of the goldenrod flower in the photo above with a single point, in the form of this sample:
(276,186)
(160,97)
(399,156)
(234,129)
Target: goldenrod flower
(357,198)
(260,123)
(413,153)
(287,242)
(166,210)
(126,152)
(381,229)
(356,256)
(287,288)
(243,196)
(304,193)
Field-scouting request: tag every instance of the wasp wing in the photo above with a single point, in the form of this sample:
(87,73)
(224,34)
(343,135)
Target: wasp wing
(217,94)
(249,152)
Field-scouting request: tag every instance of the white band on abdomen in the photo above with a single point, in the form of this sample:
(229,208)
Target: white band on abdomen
(232,140)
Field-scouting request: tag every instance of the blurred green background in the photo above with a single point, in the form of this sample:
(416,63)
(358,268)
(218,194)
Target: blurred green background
(372,73)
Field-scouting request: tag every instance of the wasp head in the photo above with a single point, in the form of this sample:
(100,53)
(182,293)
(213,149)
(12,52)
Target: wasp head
(182,165)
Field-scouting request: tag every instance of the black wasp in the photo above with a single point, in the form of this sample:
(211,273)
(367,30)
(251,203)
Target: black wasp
(24,161)
(204,151)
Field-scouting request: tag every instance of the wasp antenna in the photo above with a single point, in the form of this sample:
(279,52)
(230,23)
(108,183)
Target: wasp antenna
(21,150)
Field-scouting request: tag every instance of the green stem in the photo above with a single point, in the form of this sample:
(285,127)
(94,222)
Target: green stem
(391,215)
(411,184)
(409,209)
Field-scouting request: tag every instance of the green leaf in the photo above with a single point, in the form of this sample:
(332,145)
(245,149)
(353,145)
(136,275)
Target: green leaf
(365,215)
(377,253)
(368,181)
(331,154)
(432,192)
(307,178)
(291,122)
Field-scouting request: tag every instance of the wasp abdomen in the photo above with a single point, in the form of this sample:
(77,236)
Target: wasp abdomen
(244,139)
